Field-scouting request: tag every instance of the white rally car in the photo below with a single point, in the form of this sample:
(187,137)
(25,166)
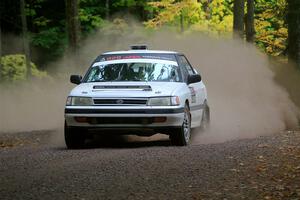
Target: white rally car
(140,92)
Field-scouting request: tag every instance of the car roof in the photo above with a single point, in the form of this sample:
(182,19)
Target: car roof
(140,51)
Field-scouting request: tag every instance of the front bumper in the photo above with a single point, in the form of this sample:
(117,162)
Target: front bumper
(124,117)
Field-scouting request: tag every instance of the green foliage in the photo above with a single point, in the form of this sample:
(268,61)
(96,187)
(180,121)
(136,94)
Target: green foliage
(41,21)
(127,3)
(216,18)
(48,35)
(137,9)
(46,21)
(90,15)
(130,4)
(14,68)
(51,40)
(47,38)
(31,7)
(271,29)
(211,18)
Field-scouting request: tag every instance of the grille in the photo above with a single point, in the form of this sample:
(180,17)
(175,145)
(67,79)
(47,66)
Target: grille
(120,101)
(120,120)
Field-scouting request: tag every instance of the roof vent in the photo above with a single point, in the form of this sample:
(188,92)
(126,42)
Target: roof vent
(139,47)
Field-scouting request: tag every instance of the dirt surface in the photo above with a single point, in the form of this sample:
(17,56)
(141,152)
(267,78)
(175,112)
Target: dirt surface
(266,167)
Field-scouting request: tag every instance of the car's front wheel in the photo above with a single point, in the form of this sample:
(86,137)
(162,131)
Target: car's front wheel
(182,135)
(74,137)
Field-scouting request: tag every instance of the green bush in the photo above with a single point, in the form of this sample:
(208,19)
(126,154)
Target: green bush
(13,68)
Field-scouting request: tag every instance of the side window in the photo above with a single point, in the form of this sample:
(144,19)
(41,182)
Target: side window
(184,63)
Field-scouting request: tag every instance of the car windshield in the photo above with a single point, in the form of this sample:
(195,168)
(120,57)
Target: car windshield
(134,72)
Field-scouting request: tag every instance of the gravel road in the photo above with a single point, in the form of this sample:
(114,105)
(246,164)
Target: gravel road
(266,167)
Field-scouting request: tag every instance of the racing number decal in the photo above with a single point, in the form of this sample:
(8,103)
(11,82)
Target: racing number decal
(193,94)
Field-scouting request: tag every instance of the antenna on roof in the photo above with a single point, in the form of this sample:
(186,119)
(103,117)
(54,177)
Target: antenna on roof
(139,47)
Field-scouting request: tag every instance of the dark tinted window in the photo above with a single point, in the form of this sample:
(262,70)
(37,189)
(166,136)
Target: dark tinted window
(134,72)
(183,62)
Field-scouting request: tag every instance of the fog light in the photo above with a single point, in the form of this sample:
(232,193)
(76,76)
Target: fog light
(81,119)
(159,119)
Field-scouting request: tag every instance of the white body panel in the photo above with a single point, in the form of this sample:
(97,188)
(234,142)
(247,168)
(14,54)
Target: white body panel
(193,94)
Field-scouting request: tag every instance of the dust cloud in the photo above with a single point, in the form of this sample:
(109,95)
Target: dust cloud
(244,99)
(36,105)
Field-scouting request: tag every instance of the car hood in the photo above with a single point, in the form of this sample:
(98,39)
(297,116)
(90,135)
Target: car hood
(126,89)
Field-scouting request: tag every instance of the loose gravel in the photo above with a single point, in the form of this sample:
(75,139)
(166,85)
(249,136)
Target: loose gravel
(260,168)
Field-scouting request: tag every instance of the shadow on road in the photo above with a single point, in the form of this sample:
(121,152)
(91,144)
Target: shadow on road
(118,141)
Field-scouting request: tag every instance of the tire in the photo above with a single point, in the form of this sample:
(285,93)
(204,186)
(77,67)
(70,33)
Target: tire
(205,121)
(74,137)
(181,136)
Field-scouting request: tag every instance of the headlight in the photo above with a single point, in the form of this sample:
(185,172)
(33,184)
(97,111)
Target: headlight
(69,101)
(164,101)
(79,101)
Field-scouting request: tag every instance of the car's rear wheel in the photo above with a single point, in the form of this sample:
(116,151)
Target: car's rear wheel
(205,122)
(182,135)
(74,137)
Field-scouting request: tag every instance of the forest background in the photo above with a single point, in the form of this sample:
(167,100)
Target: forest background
(43,31)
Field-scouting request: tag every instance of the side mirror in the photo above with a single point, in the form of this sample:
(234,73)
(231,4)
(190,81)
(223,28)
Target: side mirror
(76,79)
(193,78)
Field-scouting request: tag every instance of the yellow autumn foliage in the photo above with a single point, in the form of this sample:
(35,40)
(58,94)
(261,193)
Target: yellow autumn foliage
(215,18)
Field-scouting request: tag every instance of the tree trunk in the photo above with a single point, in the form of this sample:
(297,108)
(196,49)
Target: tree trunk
(0,50)
(72,24)
(107,9)
(208,10)
(294,32)
(250,31)
(238,18)
(181,23)
(25,38)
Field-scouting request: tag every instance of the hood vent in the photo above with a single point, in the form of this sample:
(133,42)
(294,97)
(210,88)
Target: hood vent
(123,87)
